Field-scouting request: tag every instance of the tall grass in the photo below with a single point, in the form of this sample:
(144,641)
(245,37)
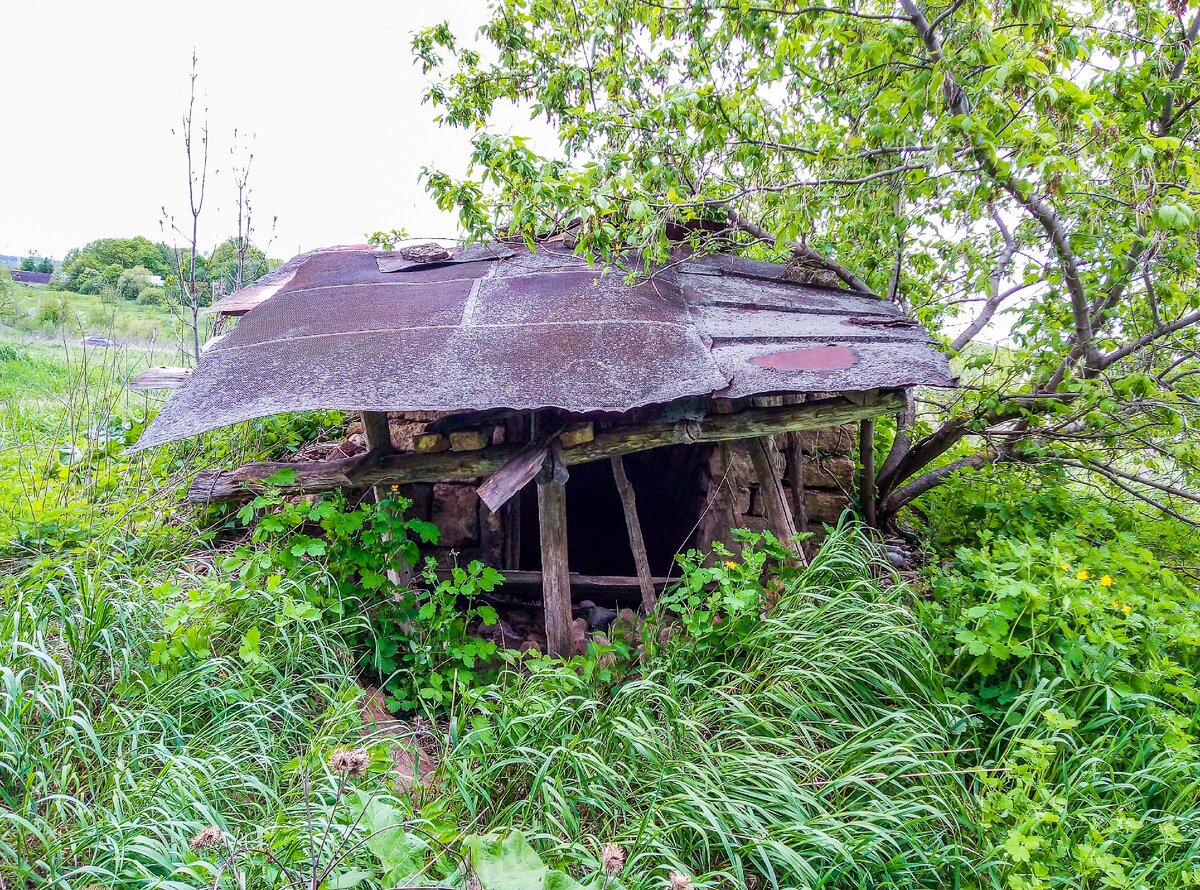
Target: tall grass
(817,756)
(109,766)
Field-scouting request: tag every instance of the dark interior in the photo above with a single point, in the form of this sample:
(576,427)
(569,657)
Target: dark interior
(670,500)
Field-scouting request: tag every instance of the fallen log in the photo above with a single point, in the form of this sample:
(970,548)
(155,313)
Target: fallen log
(211,486)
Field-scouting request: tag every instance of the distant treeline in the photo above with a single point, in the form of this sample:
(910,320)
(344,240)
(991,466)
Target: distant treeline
(149,272)
(32,263)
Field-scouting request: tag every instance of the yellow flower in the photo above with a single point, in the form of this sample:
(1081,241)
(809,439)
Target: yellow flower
(731,564)
(1126,609)
(1082,575)
(1065,567)
(1115,604)
(1106,581)
(395,488)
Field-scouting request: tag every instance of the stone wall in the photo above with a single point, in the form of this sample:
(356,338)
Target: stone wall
(828,474)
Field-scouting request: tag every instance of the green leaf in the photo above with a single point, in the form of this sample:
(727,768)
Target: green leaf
(281,477)
(348,880)
(399,852)
(249,650)
(509,863)
(1174,216)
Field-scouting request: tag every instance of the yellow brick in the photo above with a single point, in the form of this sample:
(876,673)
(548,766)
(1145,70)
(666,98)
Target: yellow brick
(469,440)
(577,434)
(428,443)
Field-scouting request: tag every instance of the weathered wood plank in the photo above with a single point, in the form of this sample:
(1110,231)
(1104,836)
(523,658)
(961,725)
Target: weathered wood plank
(556,574)
(866,452)
(779,514)
(520,470)
(399,469)
(377,431)
(795,471)
(637,543)
(160,378)
(525,577)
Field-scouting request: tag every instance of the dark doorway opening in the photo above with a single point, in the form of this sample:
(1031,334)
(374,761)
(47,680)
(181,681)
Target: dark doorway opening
(670,493)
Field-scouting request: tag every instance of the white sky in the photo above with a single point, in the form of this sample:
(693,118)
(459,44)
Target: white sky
(93,90)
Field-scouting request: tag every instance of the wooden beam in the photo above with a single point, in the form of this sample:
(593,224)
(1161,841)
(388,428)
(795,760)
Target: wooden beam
(398,469)
(795,474)
(779,514)
(525,577)
(637,543)
(556,574)
(866,454)
(377,431)
(516,429)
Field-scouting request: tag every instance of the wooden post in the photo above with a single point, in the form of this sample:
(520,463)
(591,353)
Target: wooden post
(866,454)
(636,542)
(556,573)
(375,429)
(795,472)
(778,512)
(515,431)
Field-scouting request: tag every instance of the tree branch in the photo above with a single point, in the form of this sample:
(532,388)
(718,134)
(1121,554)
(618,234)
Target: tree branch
(802,251)
(902,496)
(996,297)
(1167,118)
(960,105)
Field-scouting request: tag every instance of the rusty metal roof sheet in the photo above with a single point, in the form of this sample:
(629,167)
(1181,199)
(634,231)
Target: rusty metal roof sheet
(498,326)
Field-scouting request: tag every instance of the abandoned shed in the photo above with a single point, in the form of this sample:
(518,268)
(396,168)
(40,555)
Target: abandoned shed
(652,415)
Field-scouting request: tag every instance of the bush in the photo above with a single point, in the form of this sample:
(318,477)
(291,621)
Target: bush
(54,309)
(152,296)
(1072,630)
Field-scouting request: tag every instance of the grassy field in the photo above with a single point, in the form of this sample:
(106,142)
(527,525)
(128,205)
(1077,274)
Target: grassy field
(32,312)
(180,699)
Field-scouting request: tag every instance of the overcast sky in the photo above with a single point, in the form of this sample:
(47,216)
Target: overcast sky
(94,90)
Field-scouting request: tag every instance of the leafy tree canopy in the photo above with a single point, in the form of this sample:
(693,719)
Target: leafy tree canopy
(102,261)
(36,263)
(1032,164)
(223,263)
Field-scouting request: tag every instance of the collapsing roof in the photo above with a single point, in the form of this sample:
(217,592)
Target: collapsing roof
(500,326)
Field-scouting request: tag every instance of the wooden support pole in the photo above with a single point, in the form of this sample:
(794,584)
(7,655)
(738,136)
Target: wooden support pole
(866,454)
(376,431)
(795,473)
(311,476)
(556,574)
(516,430)
(637,543)
(779,514)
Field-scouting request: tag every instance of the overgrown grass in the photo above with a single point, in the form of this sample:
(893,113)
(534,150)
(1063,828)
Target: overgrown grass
(41,313)
(108,767)
(817,755)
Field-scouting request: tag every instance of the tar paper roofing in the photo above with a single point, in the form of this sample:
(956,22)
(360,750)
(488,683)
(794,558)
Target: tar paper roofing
(500,326)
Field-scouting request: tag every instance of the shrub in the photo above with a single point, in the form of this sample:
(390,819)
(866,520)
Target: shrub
(419,644)
(54,309)
(152,296)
